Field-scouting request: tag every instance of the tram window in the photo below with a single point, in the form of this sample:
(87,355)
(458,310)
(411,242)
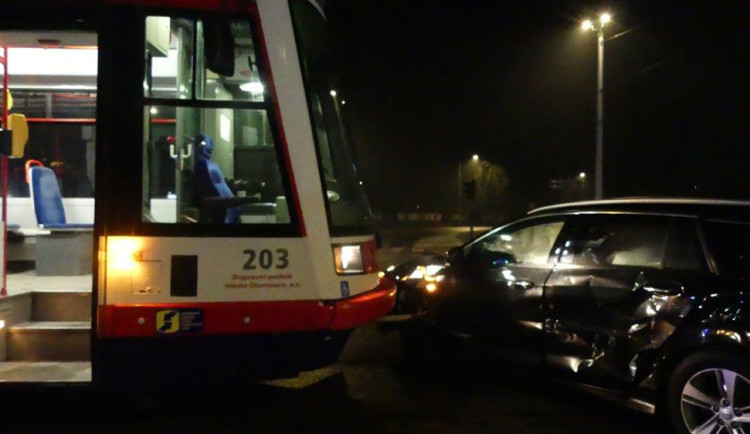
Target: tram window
(348,208)
(204,162)
(60,109)
(67,148)
(170,52)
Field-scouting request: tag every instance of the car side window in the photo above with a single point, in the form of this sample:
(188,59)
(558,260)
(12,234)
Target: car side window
(614,240)
(519,244)
(729,244)
(684,250)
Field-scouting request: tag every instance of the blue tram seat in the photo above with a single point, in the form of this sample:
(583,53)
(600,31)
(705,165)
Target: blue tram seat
(75,240)
(218,203)
(48,206)
(66,250)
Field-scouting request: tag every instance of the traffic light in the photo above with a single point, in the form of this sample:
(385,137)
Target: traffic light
(470,188)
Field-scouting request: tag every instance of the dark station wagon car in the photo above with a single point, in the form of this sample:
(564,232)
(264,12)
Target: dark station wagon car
(645,300)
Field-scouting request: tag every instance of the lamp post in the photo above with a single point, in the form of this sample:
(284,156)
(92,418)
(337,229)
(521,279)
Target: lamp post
(469,189)
(474,158)
(588,25)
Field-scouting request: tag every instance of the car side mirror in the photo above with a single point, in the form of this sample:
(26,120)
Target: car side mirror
(454,255)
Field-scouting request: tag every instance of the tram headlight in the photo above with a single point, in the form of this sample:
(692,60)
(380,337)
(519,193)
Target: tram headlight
(123,253)
(348,259)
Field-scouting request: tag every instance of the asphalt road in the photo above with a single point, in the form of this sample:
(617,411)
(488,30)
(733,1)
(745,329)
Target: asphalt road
(370,390)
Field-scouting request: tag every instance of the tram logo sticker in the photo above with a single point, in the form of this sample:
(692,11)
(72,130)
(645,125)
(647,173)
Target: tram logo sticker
(167,321)
(179,321)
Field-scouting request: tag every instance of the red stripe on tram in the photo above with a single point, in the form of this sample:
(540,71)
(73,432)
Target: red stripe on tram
(253,317)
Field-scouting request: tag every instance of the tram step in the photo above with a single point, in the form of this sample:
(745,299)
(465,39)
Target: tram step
(61,306)
(50,341)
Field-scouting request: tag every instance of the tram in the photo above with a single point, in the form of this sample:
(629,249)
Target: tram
(180,199)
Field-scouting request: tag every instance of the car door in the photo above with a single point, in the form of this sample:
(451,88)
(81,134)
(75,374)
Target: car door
(495,295)
(617,293)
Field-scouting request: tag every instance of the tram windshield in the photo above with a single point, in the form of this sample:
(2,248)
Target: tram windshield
(347,205)
(211,154)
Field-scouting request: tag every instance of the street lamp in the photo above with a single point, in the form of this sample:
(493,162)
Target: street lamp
(474,158)
(588,25)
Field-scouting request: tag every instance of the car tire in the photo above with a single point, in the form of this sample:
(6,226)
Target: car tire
(694,398)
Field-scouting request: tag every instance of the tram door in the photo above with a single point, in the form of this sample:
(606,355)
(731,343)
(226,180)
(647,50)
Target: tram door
(50,87)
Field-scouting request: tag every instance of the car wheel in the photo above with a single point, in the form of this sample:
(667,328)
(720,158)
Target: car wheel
(709,393)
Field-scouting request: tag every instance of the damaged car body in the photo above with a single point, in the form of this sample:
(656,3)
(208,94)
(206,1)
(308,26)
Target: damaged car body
(642,300)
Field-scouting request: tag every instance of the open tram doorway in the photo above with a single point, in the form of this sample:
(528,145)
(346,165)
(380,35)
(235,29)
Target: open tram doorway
(50,86)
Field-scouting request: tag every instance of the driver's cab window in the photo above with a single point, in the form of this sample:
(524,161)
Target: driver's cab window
(526,244)
(211,153)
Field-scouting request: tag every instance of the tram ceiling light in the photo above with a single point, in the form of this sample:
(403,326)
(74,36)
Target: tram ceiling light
(252,86)
(2,324)
(53,87)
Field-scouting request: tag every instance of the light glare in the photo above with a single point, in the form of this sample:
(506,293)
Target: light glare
(605,18)
(348,259)
(432,270)
(123,253)
(475,157)
(252,87)
(582,175)
(587,25)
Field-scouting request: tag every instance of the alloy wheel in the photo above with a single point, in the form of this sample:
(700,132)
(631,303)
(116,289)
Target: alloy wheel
(716,401)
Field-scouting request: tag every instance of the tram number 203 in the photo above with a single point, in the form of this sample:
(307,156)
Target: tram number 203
(266,259)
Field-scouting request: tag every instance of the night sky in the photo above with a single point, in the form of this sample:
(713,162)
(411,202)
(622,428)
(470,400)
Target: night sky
(427,83)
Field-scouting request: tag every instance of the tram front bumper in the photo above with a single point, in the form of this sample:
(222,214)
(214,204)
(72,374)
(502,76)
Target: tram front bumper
(363,308)
(279,342)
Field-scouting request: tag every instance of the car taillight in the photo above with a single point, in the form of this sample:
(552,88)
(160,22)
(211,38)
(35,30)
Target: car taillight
(355,258)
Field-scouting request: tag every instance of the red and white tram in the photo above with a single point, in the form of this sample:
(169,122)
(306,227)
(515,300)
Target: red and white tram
(179,197)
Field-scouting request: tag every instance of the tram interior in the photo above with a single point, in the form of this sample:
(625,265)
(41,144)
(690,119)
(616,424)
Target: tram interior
(45,317)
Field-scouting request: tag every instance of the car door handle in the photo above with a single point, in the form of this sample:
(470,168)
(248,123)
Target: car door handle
(663,287)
